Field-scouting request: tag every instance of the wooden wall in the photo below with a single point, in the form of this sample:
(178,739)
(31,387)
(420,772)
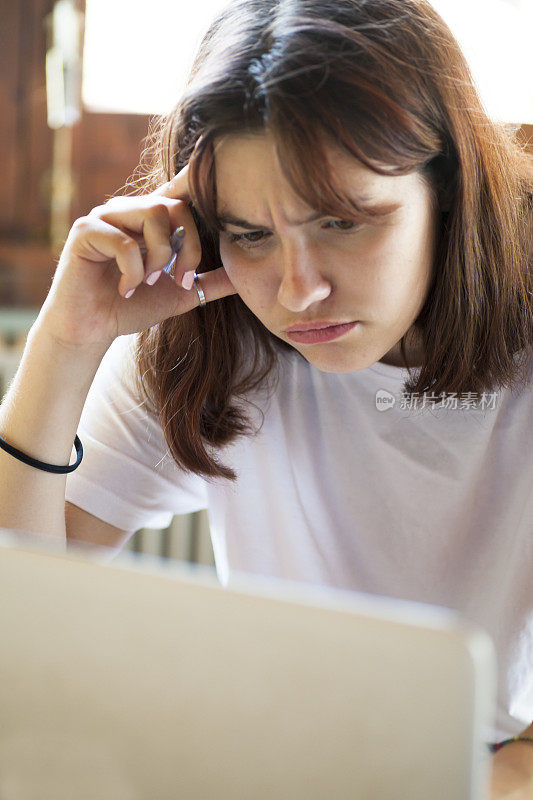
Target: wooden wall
(106,150)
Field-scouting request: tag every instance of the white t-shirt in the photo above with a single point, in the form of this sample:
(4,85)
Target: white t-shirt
(342,488)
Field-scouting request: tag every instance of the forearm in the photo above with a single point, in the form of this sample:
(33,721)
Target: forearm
(39,416)
(512,770)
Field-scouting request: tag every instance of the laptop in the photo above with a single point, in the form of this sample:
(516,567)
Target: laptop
(145,679)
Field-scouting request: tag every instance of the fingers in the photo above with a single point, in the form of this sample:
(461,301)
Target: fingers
(136,232)
(97,240)
(150,221)
(177,187)
(156,234)
(215,284)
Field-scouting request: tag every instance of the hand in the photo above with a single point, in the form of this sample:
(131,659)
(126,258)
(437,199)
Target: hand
(103,259)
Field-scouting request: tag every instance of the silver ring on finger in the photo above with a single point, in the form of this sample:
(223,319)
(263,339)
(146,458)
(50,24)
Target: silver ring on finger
(200,291)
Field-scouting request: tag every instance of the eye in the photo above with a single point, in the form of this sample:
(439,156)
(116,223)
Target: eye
(256,238)
(345,222)
(245,238)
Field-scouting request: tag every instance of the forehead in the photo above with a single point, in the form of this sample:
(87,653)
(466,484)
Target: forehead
(256,149)
(251,160)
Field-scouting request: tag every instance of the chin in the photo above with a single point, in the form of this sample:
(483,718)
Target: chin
(339,365)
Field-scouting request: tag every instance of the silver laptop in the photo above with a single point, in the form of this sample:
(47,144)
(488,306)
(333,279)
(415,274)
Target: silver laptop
(145,680)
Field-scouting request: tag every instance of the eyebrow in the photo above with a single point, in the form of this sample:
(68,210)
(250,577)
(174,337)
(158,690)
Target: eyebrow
(383,209)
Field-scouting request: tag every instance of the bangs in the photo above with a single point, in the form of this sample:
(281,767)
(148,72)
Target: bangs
(305,163)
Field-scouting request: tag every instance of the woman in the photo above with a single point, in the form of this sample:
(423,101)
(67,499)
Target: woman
(332,166)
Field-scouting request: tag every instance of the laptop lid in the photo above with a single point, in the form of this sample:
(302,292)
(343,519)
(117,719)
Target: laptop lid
(147,679)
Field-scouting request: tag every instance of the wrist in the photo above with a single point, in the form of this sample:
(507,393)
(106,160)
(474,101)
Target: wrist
(512,772)
(91,353)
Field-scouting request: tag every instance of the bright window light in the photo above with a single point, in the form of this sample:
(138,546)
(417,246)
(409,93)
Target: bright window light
(137,55)
(495,37)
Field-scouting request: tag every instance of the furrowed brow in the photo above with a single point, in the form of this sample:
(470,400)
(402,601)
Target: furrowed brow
(230,219)
(364,203)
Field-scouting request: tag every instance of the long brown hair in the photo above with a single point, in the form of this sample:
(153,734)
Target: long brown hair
(387,81)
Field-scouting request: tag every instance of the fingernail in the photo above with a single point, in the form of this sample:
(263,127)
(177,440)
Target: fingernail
(188,280)
(151,279)
(129,294)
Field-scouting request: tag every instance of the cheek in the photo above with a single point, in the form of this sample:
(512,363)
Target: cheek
(233,261)
(398,262)
(234,264)
(225,255)
(249,277)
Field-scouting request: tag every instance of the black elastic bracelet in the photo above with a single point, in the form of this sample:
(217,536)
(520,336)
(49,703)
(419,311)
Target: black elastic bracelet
(33,462)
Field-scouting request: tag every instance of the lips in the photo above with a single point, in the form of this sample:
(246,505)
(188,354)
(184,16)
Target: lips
(326,334)
(315,326)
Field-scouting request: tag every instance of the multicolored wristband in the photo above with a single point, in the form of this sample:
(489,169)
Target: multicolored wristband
(495,747)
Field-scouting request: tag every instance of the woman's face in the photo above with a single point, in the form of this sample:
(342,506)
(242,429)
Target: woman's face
(289,271)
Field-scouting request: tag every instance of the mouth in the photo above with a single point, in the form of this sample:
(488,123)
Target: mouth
(325,333)
(314,326)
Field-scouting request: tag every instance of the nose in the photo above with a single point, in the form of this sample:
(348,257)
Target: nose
(303,282)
